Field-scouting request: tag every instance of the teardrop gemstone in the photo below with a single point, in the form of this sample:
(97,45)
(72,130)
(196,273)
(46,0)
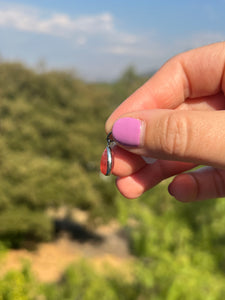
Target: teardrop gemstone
(103,163)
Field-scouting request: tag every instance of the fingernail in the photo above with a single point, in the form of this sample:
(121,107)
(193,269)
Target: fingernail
(128,132)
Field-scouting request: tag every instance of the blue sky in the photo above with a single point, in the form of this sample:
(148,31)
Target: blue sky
(99,39)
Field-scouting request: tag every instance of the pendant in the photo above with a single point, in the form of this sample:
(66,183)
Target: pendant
(107,156)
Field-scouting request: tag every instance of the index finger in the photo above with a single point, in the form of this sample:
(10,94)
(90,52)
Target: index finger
(192,74)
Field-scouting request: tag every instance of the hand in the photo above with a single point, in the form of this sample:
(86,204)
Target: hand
(177,117)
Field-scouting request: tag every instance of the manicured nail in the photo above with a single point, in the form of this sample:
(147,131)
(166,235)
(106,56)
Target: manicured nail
(128,132)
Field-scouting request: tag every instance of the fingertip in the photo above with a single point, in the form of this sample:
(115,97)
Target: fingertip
(183,188)
(126,163)
(129,188)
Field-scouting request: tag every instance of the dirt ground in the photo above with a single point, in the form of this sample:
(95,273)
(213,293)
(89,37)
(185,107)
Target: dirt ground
(106,246)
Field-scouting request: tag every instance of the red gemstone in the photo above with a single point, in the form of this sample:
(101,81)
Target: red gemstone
(103,163)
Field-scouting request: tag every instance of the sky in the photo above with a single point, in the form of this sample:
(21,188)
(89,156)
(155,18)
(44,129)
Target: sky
(100,39)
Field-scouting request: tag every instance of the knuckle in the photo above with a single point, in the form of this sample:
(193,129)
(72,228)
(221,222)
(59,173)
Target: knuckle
(174,138)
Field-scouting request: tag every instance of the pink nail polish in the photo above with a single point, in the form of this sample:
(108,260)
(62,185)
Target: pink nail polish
(127,131)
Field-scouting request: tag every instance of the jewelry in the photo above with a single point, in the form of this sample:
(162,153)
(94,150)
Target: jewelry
(110,142)
(107,157)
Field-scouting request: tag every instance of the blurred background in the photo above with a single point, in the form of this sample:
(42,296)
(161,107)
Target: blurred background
(65,231)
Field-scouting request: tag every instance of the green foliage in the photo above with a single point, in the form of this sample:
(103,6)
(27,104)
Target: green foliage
(51,140)
(19,285)
(20,226)
(81,282)
(180,247)
(148,279)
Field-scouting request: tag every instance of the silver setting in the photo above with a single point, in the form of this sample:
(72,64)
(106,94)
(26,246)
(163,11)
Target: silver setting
(110,143)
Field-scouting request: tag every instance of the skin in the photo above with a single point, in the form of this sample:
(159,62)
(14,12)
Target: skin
(182,110)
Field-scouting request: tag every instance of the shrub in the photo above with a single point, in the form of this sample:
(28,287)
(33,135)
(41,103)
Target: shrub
(20,226)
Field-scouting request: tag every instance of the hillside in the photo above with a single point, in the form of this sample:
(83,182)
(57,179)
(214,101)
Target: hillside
(51,140)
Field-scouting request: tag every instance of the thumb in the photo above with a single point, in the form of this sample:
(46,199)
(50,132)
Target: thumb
(192,136)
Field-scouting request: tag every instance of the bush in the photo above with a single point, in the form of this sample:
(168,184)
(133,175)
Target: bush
(19,285)
(21,226)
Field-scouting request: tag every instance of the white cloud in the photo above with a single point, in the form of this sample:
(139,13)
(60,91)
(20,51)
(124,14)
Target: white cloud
(98,32)
(27,19)
(94,24)
(56,24)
